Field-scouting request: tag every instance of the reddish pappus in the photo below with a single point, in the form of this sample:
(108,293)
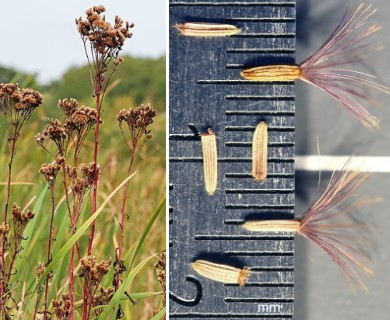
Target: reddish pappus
(327,69)
(325,224)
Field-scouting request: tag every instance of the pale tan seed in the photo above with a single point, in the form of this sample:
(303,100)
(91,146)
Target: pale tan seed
(221,272)
(260,151)
(273,225)
(277,73)
(202,29)
(210,161)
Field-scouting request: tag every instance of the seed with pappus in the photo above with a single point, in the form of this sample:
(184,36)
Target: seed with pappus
(327,69)
(326,225)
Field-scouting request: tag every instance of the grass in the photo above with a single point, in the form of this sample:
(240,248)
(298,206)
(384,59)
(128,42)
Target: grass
(146,189)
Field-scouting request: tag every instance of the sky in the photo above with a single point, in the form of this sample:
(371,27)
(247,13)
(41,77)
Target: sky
(40,36)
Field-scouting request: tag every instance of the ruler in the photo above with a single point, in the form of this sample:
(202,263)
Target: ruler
(206,91)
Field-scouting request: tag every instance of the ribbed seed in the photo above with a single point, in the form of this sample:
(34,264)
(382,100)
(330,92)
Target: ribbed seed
(201,29)
(273,225)
(277,73)
(260,151)
(221,272)
(210,161)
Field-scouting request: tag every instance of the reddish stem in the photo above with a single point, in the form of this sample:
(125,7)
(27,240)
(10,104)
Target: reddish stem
(95,182)
(8,194)
(122,217)
(71,283)
(86,309)
(49,250)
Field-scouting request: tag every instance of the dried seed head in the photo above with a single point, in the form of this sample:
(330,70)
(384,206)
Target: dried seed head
(22,218)
(40,269)
(4,228)
(201,29)
(50,171)
(138,121)
(68,106)
(260,151)
(105,38)
(220,272)
(210,161)
(118,61)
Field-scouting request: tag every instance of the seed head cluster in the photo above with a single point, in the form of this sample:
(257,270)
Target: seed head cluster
(93,272)
(161,271)
(50,171)
(81,184)
(61,307)
(105,38)
(22,99)
(78,122)
(137,119)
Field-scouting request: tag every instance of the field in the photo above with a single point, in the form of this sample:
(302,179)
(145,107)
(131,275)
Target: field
(146,191)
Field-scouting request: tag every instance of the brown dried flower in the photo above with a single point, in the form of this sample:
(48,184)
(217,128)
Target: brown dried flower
(50,171)
(161,276)
(105,38)
(68,106)
(4,228)
(17,105)
(93,272)
(137,119)
(40,269)
(61,307)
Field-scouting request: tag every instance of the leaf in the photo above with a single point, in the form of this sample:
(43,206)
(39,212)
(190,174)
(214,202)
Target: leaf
(159,315)
(68,245)
(115,300)
(147,229)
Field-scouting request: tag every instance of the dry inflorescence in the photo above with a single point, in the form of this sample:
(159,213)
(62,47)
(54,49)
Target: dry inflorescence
(138,119)
(104,37)
(61,307)
(93,271)
(161,271)
(77,124)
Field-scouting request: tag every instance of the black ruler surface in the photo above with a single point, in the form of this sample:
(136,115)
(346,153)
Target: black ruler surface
(206,91)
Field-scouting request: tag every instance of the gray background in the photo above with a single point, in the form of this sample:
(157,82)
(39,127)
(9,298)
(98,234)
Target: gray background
(321,292)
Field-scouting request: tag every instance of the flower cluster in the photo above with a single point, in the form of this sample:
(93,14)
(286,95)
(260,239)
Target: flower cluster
(61,307)
(22,99)
(93,272)
(161,271)
(107,39)
(78,122)
(21,219)
(18,105)
(56,132)
(50,171)
(80,185)
(137,119)
(102,299)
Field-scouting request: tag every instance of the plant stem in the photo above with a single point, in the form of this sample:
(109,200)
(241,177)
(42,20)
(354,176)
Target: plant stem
(49,250)
(11,144)
(98,86)
(122,217)
(95,182)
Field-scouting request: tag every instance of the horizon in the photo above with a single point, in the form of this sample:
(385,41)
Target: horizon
(46,42)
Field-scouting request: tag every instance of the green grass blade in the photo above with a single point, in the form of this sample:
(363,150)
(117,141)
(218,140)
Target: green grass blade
(68,245)
(115,300)
(146,231)
(159,315)
(134,296)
